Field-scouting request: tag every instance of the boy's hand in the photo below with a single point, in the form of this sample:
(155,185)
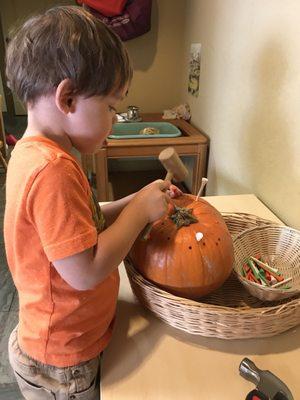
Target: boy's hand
(153,199)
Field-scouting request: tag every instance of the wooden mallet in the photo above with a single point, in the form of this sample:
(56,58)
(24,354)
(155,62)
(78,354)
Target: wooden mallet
(176,171)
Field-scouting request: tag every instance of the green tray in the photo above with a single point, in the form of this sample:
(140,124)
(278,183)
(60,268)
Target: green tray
(130,130)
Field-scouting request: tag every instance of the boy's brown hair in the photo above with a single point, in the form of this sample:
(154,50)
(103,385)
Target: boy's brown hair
(66,42)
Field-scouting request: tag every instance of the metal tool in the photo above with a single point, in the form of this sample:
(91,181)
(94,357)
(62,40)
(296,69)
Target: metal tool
(268,386)
(133,113)
(176,170)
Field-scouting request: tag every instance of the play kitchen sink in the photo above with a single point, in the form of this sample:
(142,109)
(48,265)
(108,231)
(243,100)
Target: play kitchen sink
(144,130)
(191,145)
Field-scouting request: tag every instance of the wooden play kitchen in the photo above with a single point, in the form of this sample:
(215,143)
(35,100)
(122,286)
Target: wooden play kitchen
(191,142)
(178,350)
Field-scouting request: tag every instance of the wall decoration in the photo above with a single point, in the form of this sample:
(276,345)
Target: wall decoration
(194,69)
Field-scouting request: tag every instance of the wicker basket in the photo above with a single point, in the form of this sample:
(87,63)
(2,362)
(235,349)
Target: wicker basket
(239,222)
(230,312)
(279,246)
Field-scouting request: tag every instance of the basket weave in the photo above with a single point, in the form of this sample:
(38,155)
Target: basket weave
(230,312)
(279,246)
(239,222)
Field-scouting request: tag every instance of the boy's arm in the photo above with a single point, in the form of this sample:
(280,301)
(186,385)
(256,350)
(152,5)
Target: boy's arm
(84,270)
(112,210)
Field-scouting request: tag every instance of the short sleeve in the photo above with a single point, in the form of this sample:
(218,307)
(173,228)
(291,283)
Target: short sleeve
(59,207)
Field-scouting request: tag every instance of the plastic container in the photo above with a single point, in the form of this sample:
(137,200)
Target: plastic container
(132,130)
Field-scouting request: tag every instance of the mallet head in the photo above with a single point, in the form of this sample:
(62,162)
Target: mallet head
(173,164)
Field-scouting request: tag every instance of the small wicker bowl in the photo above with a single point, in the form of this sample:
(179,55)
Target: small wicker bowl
(280,247)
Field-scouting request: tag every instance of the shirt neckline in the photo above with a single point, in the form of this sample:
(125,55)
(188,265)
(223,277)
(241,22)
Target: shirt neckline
(42,139)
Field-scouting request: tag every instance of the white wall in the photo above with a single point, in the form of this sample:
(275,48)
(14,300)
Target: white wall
(249,102)
(157,59)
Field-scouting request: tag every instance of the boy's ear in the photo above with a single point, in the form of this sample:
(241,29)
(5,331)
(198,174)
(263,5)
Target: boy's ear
(64,97)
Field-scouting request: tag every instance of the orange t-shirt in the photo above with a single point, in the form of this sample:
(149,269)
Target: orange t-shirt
(50,214)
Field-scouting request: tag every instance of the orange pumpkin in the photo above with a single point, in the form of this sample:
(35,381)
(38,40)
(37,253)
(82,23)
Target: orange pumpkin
(175,260)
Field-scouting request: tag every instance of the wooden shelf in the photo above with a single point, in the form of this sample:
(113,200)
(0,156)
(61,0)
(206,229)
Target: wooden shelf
(192,143)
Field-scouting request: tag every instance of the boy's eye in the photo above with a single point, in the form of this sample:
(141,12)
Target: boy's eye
(111,108)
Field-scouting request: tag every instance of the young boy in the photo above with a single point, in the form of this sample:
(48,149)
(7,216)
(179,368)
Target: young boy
(71,71)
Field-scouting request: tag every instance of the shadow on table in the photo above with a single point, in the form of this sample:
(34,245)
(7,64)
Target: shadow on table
(130,345)
(138,332)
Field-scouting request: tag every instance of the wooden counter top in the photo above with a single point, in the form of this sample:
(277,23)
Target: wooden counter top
(149,360)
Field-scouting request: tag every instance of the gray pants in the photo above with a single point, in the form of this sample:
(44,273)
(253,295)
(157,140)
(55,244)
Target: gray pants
(38,381)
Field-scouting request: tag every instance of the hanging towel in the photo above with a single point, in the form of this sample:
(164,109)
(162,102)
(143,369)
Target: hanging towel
(134,20)
(108,8)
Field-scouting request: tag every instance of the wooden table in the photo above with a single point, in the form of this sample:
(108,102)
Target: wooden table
(192,143)
(149,360)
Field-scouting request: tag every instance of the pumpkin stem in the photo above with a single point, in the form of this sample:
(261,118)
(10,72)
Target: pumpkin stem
(183,217)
